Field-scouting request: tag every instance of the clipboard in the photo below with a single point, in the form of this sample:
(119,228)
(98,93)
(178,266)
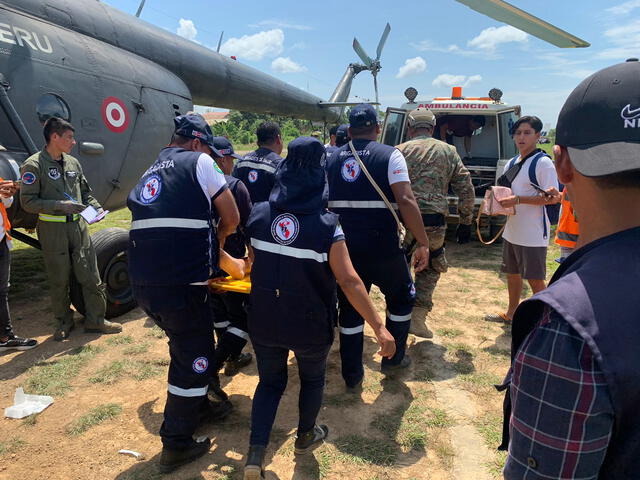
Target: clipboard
(228,284)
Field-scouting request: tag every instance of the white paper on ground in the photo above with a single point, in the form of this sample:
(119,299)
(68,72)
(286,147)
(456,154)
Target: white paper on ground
(25,404)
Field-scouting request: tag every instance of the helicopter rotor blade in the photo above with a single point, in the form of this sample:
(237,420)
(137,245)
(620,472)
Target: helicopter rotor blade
(375,87)
(383,40)
(220,41)
(361,53)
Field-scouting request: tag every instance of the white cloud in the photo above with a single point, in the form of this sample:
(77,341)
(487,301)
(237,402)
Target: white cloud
(286,65)
(491,37)
(269,43)
(280,24)
(429,46)
(448,80)
(624,8)
(624,40)
(411,67)
(187,29)
(560,64)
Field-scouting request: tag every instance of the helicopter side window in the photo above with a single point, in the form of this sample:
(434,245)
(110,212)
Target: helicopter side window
(51,105)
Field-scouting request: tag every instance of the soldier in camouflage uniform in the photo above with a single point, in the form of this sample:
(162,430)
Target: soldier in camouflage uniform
(433,166)
(54,187)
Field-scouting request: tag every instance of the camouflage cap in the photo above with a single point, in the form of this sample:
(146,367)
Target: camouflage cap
(421,118)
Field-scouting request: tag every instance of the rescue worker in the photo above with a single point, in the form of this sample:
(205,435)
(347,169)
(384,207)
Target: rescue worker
(300,253)
(257,169)
(568,232)
(54,187)
(342,135)
(372,237)
(460,126)
(331,146)
(172,251)
(433,167)
(229,308)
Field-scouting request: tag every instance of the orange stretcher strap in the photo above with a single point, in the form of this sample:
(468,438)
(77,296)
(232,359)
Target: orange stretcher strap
(228,284)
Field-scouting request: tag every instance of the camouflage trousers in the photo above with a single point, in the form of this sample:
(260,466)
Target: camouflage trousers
(427,279)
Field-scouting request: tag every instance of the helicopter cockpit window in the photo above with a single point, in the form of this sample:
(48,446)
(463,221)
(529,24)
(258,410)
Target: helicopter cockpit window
(51,105)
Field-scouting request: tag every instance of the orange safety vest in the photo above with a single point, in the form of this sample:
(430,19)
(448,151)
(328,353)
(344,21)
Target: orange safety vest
(567,232)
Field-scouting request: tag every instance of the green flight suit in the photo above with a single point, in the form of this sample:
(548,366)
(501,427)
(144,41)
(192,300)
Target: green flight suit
(65,239)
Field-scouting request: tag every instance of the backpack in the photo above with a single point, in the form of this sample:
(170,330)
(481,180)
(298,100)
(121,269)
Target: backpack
(552,211)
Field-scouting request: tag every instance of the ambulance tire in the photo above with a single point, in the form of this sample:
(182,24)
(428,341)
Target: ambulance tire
(110,245)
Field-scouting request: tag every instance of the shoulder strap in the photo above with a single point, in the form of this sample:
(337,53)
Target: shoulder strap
(532,168)
(512,162)
(534,179)
(377,189)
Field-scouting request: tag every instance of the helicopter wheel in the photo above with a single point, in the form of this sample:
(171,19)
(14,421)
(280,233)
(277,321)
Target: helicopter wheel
(111,251)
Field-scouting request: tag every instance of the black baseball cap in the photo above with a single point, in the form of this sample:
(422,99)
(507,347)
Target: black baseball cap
(363,115)
(342,134)
(599,123)
(193,125)
(224,146)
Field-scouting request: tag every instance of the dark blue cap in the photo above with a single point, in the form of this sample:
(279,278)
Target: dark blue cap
(193,125)
(363,115)
(342,135)
(224,146)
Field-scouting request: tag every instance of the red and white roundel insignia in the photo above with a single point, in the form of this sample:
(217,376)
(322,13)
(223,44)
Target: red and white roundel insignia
(253,176)
(115,114)
(285,228)
(200,364)
(350,170)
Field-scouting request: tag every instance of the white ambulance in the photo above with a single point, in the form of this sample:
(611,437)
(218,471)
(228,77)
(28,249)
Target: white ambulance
(491,145)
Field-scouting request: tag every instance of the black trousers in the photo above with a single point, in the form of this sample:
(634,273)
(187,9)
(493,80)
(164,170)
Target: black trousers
(379,261)
(230,323)
(5,265)
(183,313)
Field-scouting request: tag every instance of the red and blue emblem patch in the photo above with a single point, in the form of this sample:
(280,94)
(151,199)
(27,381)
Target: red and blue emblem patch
(200,364)
(28,178)
(285,228)
(151,189)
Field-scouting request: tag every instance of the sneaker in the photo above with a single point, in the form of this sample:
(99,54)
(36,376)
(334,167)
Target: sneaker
(310,440)
(390,369)
(18,343)
(63,332)
(106,327)
(233,365)
(216,411)
(172,459)
(255,458)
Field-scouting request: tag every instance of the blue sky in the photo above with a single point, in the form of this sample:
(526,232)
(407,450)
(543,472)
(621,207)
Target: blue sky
(433,44)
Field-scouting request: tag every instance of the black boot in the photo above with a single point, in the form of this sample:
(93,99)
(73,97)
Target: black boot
(306,442)
(255,458)
(233,365)
(172,459)
(216,389)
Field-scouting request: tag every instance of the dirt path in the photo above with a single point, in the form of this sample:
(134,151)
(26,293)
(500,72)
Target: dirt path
(439,420)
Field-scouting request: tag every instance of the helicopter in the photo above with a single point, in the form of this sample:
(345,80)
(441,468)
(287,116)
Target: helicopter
(121,81)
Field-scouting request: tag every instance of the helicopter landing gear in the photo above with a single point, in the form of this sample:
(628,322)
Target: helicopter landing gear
(111,251)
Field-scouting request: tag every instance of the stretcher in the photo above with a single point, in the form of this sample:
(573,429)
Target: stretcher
(228,284)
